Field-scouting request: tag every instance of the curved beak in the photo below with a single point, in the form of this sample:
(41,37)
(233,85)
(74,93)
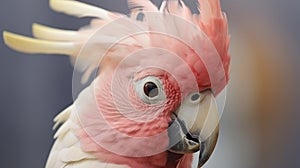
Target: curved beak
(195,127)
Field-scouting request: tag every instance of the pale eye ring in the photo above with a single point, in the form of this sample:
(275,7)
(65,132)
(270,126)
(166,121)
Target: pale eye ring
(150,89)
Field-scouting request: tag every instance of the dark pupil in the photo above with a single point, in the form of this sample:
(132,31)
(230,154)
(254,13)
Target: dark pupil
(150,89)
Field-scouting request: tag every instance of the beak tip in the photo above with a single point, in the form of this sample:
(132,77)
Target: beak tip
(207,148)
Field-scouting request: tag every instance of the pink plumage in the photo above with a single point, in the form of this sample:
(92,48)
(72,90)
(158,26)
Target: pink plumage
(169,50)
(214,25)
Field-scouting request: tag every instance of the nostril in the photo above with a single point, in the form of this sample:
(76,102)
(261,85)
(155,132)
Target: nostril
(190,137)
(195,97)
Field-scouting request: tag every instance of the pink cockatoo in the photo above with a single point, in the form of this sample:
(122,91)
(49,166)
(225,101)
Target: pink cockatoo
(156,74)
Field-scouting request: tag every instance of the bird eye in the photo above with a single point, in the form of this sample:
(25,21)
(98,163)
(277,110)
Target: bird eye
(150,89)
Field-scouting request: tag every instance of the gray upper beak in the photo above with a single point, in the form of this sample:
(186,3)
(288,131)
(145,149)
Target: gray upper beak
(195,127)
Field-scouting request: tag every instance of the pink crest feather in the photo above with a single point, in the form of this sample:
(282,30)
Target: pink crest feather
(214,23)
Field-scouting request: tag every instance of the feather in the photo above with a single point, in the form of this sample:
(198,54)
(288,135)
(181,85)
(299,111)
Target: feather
(62,117)
(213,22)
(62,131)
(114,40)
(73,154)
(66,150)
(185,161)
(137,7)
(163,6)
(145,5)
(30,45)
(49,33)
(176,7)
(92,163)
(210,9)
(80,9)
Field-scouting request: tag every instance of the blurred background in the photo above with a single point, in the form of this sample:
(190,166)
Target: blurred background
(261,123)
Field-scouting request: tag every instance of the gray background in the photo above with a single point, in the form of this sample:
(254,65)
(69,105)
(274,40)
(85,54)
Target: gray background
(260,126)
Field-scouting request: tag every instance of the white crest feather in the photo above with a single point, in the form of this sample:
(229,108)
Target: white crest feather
(49,33)
(163,6)
(80,9)
(176,7)
(30,45)
(55,41)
